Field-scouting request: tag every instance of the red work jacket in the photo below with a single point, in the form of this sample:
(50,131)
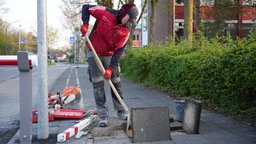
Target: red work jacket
(107,36)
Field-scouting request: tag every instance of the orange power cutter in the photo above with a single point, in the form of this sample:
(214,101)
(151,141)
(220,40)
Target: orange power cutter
(70,95)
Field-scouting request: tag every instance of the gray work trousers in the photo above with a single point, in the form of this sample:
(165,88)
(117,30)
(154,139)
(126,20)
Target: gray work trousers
(96,77)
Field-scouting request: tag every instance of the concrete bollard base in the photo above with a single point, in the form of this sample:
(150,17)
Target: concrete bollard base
(192,113)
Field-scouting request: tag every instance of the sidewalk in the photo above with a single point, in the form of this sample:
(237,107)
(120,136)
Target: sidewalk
(214,128)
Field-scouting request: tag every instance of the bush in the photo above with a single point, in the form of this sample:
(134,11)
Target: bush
(221,72)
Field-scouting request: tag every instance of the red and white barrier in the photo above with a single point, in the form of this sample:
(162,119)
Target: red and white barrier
(65,135)
(8,60)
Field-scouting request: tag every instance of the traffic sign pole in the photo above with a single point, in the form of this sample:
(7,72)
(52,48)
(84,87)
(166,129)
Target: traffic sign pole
(76,46)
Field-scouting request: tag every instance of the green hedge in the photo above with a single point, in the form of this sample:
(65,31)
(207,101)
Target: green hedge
(221,72)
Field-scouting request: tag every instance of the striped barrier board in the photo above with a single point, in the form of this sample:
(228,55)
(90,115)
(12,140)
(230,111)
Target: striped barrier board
(11,60)
(67,134)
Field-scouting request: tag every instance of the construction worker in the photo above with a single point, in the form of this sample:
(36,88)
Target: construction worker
(108,36)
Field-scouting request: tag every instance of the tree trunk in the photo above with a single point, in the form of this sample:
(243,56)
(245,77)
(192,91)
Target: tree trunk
(188,20)
(197,15)
(171,19)
(152,22)
(240,21)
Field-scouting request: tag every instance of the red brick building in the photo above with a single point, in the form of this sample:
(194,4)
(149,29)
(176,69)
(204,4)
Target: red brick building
(237,24)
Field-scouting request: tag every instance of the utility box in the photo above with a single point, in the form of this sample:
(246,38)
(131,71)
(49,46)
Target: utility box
(192,113)
(150,124)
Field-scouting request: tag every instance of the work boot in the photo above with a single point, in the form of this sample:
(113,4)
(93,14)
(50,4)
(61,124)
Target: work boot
(103,122)
(122,114)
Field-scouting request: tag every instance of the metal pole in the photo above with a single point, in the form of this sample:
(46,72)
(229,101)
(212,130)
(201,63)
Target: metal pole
(75,61)
(43,125)
(25,98)
(78,52)
(76,46)
(25,107)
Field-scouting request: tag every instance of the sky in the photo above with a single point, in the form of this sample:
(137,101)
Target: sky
(23,15)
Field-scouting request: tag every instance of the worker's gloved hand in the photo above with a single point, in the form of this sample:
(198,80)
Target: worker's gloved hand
(84,29)
(108,73)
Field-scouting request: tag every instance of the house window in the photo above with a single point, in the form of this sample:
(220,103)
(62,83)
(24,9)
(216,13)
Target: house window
(206,2)
(179,2)
(136,36)
(202,2)
(249,2)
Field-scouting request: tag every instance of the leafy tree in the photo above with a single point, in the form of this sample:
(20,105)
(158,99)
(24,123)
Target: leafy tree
(8,40)
(31,42)
(223,10)
(2,44)
(72,11)
(52,37)
(12,43)
(107,3)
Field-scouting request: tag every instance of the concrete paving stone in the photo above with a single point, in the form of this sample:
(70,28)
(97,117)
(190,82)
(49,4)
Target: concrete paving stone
(150,124)
(159,142)
(191,139)
(219,135)
(175,125)
(178,132)
(228,140)
(107,140)
(52,130)
(110,136)
(214,128)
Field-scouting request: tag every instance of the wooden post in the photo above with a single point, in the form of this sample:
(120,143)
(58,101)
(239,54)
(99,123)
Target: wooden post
(188,20)
(240,20)
(171,19)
